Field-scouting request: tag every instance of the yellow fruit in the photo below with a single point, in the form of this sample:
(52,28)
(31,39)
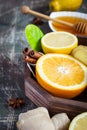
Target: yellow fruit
(79,122)
(59,42)
(80,53)
(61,75)
(58,5)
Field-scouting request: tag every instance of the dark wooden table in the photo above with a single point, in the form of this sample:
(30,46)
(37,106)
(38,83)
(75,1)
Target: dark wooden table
(12,41)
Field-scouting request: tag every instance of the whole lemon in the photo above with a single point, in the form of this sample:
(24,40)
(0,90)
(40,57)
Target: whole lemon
(65,5)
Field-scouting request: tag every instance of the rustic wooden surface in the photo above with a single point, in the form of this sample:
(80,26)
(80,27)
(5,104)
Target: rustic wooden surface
(12,69)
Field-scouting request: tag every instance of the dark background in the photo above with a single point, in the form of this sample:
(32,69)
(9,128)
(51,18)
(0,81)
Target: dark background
(12,42)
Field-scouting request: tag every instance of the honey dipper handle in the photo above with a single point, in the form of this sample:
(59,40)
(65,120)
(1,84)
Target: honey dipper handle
(26,10)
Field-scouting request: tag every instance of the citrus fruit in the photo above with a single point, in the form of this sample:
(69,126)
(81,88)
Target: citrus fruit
(59,42)
(79,122)
(61,75)
(58,5)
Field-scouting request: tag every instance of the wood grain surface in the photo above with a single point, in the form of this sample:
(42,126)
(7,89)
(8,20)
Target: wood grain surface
(12,41)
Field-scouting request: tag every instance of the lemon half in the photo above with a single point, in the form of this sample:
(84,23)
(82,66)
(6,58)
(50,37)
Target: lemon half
(59,42)
(79,122)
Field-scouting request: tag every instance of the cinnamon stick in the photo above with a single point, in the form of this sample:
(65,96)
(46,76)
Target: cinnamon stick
(29,59)
(26,51)
(35,54)
(31,56)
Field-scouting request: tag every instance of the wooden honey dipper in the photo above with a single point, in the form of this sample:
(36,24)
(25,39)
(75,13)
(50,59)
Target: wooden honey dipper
(78,27)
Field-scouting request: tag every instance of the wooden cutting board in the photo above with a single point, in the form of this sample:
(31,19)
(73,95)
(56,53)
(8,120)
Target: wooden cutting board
(41,97)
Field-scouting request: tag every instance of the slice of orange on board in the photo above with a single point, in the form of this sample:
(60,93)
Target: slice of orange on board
(61,75)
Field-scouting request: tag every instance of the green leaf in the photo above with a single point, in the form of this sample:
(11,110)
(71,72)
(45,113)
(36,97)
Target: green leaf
(34,35)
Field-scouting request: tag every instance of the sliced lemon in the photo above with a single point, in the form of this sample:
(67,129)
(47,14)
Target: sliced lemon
(79,122)
(59,42)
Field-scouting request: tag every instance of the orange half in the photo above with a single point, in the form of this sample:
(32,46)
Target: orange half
(61,75)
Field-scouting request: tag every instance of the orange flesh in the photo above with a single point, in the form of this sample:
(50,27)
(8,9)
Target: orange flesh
(63,71)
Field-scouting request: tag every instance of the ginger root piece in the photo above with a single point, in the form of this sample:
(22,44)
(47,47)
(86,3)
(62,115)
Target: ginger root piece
(37,119)
(80,53)
(61,121)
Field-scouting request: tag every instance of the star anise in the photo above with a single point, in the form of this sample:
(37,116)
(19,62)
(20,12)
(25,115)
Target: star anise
(16,102)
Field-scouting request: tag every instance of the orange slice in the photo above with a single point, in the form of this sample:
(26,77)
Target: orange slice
(59,42)
(61,75)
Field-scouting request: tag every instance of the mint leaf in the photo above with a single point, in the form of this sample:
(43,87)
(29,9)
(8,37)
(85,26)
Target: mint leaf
(34,35)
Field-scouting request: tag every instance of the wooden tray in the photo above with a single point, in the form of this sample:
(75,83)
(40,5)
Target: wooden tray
(41,97)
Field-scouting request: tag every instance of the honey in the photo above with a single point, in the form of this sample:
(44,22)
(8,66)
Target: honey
(70,19)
